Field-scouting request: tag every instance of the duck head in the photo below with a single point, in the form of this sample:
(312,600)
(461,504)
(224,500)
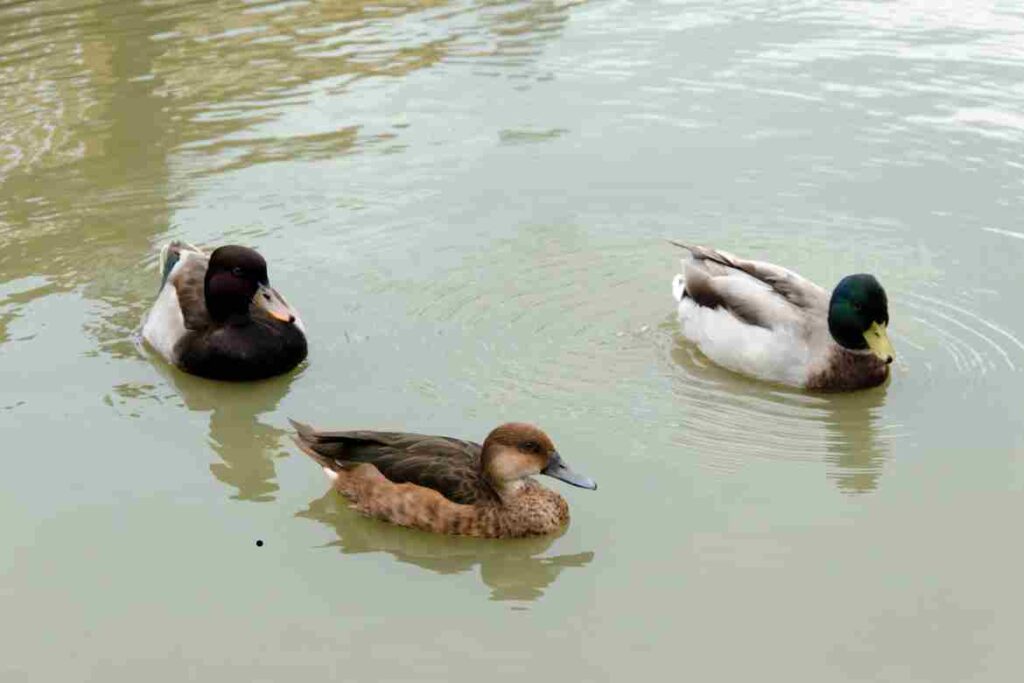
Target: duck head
(515,451)
(237,285)
(858,316)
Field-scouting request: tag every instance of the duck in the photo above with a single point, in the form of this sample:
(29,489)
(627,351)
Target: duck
(216,315)
(448,486)
(762,320)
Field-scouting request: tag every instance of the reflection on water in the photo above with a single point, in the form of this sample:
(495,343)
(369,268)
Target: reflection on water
(16,294)
(730,418)
(246,446)
(857,444)
(463,198)
(512,568)
(86,183)
(122,109)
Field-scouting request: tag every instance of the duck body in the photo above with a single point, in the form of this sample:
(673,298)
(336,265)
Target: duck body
(762,320)
(445,485)
(217,317)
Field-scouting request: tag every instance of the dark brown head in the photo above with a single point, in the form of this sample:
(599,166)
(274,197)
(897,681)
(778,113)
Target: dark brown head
(237,285)
(515,451)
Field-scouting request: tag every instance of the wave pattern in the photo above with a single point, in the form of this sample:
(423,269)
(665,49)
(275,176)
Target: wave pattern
(973,343)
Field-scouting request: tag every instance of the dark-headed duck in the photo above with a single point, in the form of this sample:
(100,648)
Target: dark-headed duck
(446,485)
(217,316)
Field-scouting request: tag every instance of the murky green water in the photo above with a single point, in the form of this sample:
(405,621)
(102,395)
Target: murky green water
(467,202)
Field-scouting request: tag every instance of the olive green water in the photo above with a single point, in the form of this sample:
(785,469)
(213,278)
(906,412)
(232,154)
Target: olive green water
(467,202)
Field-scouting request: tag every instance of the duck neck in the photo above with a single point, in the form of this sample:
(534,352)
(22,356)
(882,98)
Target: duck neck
(509,490)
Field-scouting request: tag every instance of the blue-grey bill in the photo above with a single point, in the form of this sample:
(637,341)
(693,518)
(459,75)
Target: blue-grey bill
(559,470)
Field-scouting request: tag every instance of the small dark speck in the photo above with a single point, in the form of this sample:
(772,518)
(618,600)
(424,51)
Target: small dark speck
(259,544)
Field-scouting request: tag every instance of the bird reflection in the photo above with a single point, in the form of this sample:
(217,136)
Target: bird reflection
(246,446)
(857,448)
(511,568)
(732,418)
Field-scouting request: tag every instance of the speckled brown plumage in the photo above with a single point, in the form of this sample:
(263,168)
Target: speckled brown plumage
(533,511)
(440,484)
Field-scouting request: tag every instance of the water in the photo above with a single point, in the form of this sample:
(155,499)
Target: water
(468,203)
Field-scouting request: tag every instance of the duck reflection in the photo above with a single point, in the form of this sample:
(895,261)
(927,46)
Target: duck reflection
(246,446)
(734,417)
(511,568)
(857,447)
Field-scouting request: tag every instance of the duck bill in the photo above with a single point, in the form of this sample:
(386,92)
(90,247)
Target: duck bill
(559,470)
(878,341)
(273,304)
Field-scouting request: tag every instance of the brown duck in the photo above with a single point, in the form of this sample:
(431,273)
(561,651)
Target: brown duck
(447,485)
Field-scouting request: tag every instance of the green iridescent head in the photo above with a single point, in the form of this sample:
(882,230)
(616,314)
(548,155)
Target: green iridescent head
(858,316)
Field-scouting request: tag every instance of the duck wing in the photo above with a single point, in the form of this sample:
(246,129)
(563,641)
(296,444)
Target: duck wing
(184,268)
(449,466)
(756,292)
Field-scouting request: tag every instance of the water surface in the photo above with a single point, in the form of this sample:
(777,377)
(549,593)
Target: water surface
(468,202)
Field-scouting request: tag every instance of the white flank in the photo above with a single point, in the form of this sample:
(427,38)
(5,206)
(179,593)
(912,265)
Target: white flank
(778,354)
(678,287)
(165,324)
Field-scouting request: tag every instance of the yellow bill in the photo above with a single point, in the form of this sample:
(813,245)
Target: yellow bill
(878,341)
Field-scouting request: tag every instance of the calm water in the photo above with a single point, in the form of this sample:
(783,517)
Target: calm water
(468,202)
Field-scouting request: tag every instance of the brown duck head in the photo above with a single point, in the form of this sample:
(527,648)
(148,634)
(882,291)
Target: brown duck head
(515,451)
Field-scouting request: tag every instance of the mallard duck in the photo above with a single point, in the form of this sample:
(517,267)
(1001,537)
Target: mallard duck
(760,319)
(446,485)
(217,316)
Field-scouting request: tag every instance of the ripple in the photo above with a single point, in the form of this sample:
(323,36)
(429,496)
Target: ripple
(549,319)
(970,342)
(729,419)
(512,569)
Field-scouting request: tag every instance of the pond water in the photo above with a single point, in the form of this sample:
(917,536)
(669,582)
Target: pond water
(468,201)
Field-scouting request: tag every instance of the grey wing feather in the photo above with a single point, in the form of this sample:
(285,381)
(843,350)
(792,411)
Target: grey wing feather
(170,254)
(189,282)
(795,288)
(716,278)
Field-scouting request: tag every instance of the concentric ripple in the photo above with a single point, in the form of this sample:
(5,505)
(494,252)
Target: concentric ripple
(730,420)
(947,331)
(550,323)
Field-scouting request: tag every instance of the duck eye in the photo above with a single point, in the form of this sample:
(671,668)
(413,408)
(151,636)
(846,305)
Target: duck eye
(236,271)
(531,446)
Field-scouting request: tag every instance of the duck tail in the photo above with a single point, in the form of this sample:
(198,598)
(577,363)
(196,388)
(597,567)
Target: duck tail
(170,254)
(305,437)
(679,281)
(688,247)
(303,431)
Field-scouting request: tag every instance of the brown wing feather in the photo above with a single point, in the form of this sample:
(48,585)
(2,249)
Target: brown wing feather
(448,466)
